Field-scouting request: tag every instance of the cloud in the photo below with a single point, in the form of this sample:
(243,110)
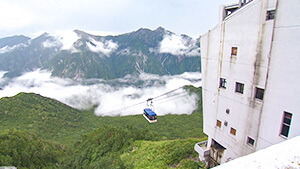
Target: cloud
(113,97)
(105,47)
(50,43)
(178,45)
(5,49)
(67,38)
(8,49)
(2,73)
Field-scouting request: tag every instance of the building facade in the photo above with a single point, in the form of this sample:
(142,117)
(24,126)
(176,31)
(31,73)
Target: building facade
(250,70)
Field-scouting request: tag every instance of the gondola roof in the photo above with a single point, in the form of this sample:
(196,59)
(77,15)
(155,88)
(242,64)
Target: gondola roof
(150,112)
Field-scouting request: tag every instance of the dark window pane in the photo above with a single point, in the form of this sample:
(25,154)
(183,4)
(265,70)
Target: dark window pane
(285,130)
(270,14)
(250,141)
(259,93)
(287,115)
(239,87)
(287,121)
(222,83)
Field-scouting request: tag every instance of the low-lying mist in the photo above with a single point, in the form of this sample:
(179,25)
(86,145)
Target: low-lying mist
(118,97)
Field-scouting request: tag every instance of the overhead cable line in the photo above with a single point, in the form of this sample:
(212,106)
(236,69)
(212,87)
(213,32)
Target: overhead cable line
(154,98)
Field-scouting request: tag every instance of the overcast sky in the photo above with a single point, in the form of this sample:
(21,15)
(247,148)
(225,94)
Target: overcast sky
(32,17)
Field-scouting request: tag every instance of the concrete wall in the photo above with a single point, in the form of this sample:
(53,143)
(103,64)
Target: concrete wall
(258,63)
(282,92)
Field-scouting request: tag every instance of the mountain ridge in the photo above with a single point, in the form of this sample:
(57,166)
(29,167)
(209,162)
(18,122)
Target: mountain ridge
(156,51)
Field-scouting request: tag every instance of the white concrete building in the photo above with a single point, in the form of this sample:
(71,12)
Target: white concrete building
(250,71)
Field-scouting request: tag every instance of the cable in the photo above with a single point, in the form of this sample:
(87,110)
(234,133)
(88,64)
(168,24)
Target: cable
(171,96)
(168,92)
(174,98)
(127,107)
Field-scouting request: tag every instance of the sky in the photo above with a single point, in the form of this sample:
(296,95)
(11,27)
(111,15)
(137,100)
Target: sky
(108,17)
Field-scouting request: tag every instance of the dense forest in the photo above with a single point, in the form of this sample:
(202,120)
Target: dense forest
(38,132)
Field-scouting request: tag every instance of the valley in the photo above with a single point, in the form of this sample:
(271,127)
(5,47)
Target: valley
(64,126)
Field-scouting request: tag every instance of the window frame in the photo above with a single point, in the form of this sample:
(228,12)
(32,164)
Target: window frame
(250,141)
(260,95)
(233,131)
(234,50)
(239,89)
(222,83)
(219,123)
(285,124)
(270,14)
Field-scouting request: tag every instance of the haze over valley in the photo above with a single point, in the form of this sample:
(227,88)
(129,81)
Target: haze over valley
(109,96)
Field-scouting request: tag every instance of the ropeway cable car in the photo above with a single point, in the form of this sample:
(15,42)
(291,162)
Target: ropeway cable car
(148,113)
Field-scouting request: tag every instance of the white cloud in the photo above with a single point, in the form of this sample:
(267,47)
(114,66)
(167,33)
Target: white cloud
(2,73)
(105,47)
(5,49)
(50,43)
(178,45)
(67,38)
(111,100)
(8,49)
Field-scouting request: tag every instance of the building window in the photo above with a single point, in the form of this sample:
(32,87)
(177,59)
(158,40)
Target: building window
(234,51)
(259,93)
(286,122)
(232,131)
(219,123)
(270,14)
(222,83)
(250,141)
(239,87)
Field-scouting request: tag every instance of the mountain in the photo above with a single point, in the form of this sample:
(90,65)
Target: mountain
(49,119)
(88,56)
(26,56)
(39,132)
(24,149)
(13,41)
(55,121)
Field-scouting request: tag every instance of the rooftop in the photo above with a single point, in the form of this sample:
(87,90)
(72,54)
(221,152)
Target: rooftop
(283,155)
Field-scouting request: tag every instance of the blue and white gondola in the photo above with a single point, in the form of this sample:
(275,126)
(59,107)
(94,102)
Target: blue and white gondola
(150,115)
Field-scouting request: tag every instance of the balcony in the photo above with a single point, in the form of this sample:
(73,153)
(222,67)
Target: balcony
(202,150)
